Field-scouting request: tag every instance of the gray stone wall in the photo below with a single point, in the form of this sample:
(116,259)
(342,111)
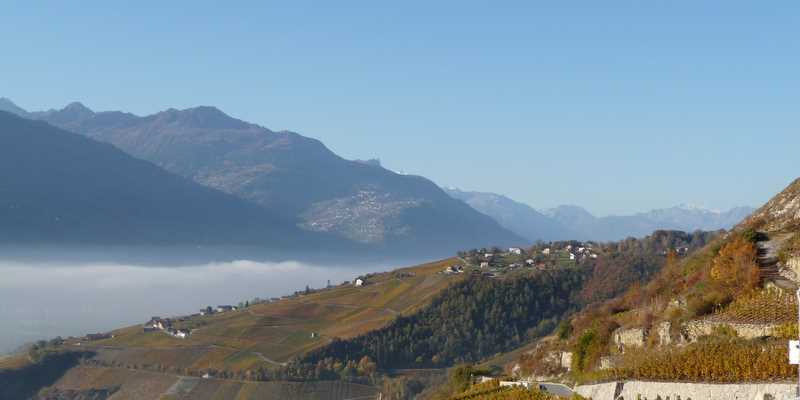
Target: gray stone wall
(697,328)
(641,390)
(630,337)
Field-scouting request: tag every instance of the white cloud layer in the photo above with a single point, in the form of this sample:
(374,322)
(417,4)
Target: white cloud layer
(43,300)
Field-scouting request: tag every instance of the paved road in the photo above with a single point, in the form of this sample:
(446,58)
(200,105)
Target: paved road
(556,389)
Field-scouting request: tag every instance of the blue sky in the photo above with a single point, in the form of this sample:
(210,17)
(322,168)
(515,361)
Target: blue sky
(616,106)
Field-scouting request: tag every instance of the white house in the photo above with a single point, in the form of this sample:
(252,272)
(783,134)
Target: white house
(182,333)
(515,250)
(484,264)
(221,309)
(488,255)
(359,282)
(571,256)
(546,251)
(529,261)
(526,385)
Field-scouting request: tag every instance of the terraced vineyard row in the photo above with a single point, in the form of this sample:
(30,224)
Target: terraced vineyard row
(763,307)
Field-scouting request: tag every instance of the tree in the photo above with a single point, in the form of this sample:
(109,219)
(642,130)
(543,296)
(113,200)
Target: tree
(735,266)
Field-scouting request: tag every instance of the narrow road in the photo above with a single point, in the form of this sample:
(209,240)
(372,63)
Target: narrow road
(273,362)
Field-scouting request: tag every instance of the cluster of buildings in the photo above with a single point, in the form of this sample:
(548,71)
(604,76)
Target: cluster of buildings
(220,309)
(577,252)
(165,325)
(454,269)
(680,251)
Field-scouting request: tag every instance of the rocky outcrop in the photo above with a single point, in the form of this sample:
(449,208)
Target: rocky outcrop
(625,338)
(642,390)
(607,362)
(662,331)
(793,265)
(782,212)
(566,360)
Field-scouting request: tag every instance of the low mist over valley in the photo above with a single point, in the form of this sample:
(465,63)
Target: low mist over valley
(41,300)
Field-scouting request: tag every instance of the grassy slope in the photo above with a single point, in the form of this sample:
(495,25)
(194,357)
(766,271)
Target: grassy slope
(266,334)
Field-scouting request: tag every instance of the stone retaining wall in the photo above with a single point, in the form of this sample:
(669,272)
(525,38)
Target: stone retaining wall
(630,337)
(641,390)
(697,328)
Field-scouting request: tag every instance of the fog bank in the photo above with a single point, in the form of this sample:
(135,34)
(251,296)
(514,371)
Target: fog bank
(41,300)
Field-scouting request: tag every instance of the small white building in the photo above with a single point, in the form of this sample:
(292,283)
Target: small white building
(515,250)
(484,264)
(359,282)
(529,261)
(546,251)
(524,384)
(571,256)
(181,333)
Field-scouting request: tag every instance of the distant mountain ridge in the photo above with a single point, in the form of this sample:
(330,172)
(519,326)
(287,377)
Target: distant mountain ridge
(638,225)
(291,175)
(59,187)
(515,216)
(574,222)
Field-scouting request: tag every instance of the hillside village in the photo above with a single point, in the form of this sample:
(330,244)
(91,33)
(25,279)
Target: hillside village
(496,262)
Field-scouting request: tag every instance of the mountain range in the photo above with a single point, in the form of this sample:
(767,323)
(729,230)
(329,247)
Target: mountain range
(291,176)
(304,184)
(60,187)
(574,222)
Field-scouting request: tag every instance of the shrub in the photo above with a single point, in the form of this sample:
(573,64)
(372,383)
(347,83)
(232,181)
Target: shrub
(735,268)
(564,330)
(703,304)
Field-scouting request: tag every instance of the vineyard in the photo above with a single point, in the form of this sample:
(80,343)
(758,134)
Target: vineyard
(717,360)
(761,307)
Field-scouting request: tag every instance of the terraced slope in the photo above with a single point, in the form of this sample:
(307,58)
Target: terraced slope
(124,384)
(271,334)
